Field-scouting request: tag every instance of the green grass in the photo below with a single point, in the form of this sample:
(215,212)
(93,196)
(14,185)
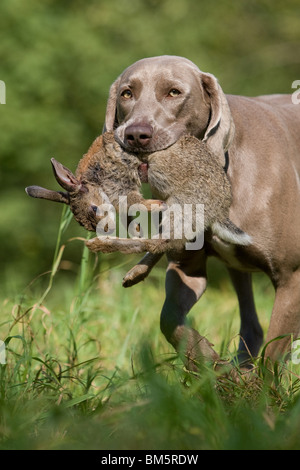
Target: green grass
(87,367)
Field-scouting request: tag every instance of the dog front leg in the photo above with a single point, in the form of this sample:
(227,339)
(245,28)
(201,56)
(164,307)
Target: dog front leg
(251,332)
(185,283)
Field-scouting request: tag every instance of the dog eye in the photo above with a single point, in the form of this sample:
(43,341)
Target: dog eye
(126,94)
(174,92)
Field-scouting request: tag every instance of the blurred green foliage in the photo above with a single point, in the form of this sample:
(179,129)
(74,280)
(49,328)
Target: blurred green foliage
(58,60)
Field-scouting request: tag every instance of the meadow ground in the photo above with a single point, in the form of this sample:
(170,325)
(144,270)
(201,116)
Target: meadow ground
(87,367)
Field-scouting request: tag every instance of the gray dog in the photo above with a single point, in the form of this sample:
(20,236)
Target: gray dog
(157,100)
(151,105)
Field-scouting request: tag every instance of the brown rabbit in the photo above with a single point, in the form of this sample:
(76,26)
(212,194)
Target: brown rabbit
(104,173)
(186,173)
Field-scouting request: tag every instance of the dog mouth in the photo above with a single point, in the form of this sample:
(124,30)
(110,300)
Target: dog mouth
(158,142)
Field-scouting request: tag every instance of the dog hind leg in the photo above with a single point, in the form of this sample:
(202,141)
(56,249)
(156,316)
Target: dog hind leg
(285,318)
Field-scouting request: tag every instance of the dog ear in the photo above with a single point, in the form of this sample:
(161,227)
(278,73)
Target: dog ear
(220,130)
(111,120)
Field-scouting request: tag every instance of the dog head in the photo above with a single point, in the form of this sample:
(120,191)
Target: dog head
(157,100)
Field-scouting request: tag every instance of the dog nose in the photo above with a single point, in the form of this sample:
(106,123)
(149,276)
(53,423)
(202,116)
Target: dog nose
(138,135)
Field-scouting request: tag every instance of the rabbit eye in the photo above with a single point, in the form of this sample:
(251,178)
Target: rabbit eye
(94,208)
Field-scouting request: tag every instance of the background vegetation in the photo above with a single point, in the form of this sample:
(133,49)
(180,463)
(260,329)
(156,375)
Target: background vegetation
(74,337)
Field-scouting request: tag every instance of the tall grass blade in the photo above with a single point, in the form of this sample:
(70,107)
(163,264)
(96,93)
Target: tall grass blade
(66,218)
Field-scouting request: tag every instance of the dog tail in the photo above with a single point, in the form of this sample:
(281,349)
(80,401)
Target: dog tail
(230,233)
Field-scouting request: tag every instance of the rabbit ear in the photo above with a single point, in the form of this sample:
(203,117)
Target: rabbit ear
(111,120)
(65,177)
(42,193)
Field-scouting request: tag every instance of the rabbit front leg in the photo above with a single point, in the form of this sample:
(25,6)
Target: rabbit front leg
(134,203)
(134,198)
(141,270)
